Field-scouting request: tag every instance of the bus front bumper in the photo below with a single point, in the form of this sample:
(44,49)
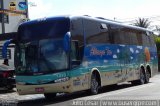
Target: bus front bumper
(23,89)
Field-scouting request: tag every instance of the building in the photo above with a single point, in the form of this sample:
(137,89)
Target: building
(12,14)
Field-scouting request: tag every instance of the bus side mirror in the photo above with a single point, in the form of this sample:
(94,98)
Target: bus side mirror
(4,48)
(66,42)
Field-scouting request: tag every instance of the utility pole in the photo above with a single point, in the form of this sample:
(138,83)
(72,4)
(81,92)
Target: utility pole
(3,26)
(27,9)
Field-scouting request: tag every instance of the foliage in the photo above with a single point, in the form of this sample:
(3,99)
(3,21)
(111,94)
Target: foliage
(142,22)
(157,40)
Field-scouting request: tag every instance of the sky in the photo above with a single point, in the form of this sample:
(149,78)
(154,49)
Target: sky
(120,10)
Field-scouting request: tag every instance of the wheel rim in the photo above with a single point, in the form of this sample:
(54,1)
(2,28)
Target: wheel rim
(94,85)
(142,77)
(147,76)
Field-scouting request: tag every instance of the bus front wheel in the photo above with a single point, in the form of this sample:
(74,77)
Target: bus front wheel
(50,96)
(94,84)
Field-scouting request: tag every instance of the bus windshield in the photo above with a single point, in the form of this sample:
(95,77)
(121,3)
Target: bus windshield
(49,28)
(40,47)
(43,56)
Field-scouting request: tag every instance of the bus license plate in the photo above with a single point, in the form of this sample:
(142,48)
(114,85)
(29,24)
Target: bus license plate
(39,89)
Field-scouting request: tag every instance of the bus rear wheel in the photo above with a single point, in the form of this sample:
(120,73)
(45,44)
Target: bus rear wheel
(142,78)
(94,84)
(147,76)
(50,96)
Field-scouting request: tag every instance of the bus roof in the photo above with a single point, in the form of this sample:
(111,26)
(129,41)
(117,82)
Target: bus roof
(108,21)
(100,19)
(42,20)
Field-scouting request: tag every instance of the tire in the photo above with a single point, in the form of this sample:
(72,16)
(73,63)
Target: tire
(94,84)
(142,77)
(141,80)
(50,96)
(147,76)
(10,87)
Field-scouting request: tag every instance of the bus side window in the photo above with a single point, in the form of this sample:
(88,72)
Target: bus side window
(75,54)
(96,32)
(73,51)
(115,35)
(152,40)
(77,36)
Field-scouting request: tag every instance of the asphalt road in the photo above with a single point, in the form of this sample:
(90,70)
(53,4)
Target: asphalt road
(147,93)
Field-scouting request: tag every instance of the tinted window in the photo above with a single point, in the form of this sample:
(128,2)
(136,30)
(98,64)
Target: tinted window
(115,33)
(95,33)
(145,39)
(77,47)
(77,31)
(151,39)
(123,35)
(133,38)
(139,37)
(74,53)
(49,28)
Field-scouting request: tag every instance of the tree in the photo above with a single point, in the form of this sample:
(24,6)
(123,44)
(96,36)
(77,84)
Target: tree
(157,30)
(157,40)
(142,22)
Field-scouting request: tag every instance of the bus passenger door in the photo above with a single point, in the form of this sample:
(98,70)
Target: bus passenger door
(78,76)
(77,71)
(75,62)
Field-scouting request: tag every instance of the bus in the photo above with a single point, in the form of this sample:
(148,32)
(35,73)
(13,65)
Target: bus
(74,53)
